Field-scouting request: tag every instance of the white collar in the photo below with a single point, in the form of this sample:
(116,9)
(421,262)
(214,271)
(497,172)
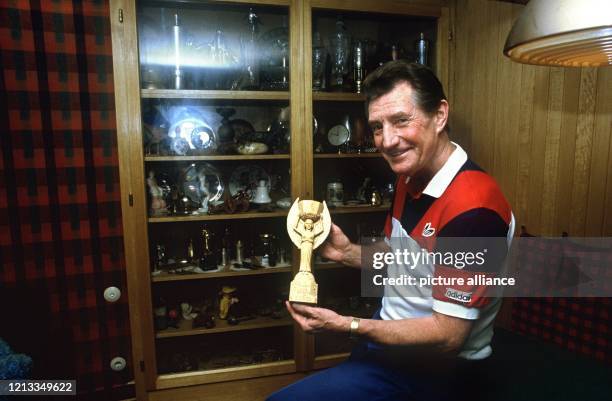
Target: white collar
(441,180)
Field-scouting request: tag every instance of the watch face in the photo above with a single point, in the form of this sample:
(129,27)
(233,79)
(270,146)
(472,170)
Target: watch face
(338,135)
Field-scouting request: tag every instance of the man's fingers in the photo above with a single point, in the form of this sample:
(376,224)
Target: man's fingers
(299,318)
(303,309)
(295,315)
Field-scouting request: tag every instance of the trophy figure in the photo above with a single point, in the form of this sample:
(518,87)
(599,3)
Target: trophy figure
(308,225)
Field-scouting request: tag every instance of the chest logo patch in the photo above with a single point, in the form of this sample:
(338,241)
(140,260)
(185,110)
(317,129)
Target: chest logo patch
(428,230)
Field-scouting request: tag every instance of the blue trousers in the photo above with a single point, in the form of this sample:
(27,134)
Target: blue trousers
(369,376)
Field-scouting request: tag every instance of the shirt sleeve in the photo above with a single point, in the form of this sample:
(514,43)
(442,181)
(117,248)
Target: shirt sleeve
(469,248)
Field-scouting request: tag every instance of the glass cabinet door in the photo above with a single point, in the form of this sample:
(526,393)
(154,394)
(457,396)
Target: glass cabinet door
(349,173)
(216,145)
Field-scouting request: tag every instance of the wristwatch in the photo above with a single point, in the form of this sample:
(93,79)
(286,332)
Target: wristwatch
(354,328)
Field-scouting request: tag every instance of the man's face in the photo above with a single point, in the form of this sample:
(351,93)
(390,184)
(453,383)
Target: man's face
(406,136)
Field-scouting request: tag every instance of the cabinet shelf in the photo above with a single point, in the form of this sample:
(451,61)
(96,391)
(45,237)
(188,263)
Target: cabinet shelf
(326,361)
(223,326)
(359,209)
(338,97)
(347,155)
(165,277)
(212,94)
(225,374)
(207,217)
(215,158)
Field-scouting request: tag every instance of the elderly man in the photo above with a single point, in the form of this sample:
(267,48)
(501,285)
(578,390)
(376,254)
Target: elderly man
(418,342)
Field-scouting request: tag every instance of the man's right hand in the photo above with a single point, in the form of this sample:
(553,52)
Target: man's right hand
(340,249)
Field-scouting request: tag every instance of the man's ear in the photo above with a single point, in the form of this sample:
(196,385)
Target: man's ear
(441,116)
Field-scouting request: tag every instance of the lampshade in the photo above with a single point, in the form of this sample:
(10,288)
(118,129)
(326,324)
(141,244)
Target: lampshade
(573,33)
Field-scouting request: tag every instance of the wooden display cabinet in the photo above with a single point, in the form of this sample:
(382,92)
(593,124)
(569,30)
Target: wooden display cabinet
(179,66)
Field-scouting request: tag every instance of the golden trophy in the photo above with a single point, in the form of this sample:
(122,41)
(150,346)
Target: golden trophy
(308,225)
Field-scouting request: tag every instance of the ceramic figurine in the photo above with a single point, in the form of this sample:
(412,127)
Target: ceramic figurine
(158,204)
(261,194)
(227,300)
(187,311)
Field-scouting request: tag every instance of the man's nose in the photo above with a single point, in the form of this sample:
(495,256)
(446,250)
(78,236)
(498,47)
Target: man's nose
(389,137)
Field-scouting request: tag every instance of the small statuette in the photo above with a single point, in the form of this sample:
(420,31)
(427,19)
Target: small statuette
(187,311)
(239,254)
(207,260)
(227,300)
(158,204)
(308,225)
(376,199)
(261,194)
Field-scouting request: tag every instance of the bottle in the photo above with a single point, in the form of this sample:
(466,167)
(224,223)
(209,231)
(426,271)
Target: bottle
(422,46)
(239,252)
(318,63)
(394,53)
(226,245)
(190,252)
(358,65)
(267,250)
(250,57)
(176,30)
(340,42)
(207,260)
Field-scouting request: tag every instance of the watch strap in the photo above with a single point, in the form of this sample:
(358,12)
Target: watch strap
(354,328)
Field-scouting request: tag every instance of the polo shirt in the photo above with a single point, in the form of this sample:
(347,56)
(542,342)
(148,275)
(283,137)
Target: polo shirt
(461,209)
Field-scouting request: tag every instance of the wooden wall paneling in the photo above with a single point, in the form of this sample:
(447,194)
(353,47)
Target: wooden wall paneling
(469,98)
(607,218)
(460,106)
(442,49)
(483,114)
(507,133)
(450,85)
(599,171)
(567,147)
(551,151)
(523,149)
(584,148)
(538,145)
(507,113)
(606,124)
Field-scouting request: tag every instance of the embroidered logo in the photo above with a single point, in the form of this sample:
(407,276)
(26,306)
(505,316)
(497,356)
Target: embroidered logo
(428,230)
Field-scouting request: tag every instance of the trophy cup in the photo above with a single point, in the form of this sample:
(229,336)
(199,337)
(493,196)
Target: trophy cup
(308,225)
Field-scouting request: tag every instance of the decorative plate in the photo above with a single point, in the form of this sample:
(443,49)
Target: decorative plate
(246,178)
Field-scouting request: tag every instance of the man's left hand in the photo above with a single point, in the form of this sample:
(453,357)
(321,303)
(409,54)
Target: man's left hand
(313,319)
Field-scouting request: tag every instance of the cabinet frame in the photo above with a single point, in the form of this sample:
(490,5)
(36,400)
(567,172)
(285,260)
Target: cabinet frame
(135,219)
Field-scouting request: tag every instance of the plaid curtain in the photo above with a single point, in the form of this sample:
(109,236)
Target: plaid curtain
(60,216)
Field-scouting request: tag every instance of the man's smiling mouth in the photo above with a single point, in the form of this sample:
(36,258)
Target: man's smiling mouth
(397,153)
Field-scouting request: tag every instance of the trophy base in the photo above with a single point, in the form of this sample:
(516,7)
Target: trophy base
(303,288)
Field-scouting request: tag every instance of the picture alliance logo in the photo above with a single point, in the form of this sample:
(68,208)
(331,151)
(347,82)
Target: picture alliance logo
(459,296)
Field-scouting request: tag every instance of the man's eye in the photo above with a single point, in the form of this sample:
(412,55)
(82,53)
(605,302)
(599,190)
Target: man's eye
(402,121)
(376,129)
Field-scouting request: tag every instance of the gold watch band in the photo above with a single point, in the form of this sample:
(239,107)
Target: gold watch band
(354,327)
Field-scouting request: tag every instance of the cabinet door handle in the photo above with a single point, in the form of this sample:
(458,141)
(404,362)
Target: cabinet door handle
(121,15)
